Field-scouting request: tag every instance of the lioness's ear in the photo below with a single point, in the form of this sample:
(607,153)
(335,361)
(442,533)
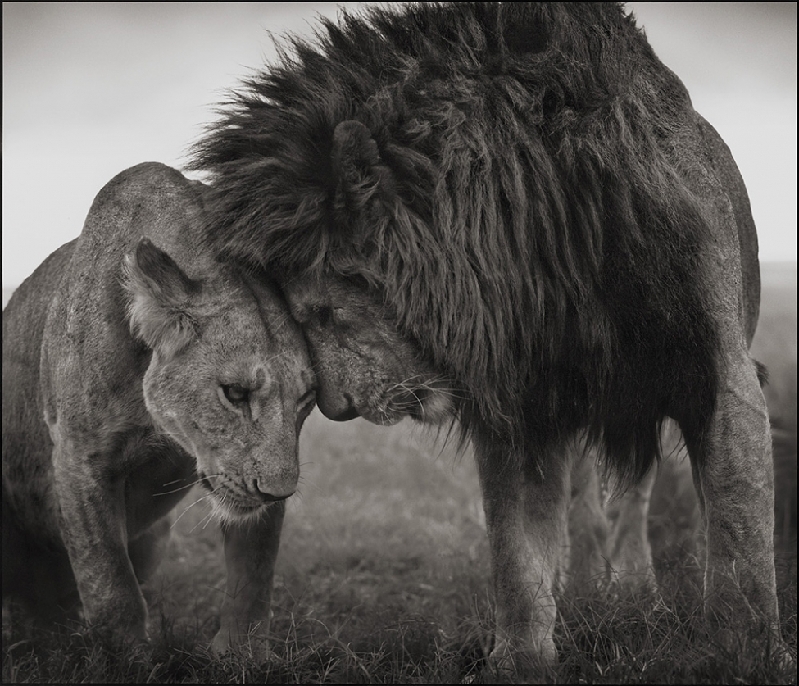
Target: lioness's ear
(361,175)
(159,298)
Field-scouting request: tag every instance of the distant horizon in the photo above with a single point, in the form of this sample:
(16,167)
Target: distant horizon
(8,289)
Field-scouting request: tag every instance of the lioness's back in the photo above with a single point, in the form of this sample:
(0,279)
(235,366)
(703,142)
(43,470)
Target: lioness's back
(26,443)
(25,438)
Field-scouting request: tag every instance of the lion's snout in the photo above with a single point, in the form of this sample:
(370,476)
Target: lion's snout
(340,407)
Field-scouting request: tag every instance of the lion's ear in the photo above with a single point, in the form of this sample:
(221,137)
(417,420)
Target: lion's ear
(361,176)
(159,295)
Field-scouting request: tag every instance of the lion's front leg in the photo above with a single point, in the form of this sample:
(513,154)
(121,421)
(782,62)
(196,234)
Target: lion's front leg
(733,473)
(92,500)
(250,554)
(526,515)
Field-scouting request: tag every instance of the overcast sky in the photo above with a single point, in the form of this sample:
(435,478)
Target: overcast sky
(90,89)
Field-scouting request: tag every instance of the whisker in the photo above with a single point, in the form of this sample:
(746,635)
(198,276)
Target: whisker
(205,496)
(188,507)
(206,518)
(215,507)
(179,488)
(174,481)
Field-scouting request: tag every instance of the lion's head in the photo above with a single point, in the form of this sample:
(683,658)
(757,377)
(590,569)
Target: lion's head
(510,197)
(229,377)
(365,365)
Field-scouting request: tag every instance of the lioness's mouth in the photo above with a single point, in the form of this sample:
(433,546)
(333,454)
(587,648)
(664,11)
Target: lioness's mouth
(229,504)
(232,508)
(238,510)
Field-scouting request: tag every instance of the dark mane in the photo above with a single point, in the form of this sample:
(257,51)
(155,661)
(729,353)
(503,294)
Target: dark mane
(518,200)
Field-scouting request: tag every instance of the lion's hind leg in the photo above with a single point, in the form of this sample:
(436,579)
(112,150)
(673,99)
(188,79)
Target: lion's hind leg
(733,473)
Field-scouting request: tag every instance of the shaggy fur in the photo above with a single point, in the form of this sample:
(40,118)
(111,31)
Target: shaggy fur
(516,202)
(505,175)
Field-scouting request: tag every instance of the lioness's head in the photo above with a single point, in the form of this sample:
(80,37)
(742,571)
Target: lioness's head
(364,365)
(229,378)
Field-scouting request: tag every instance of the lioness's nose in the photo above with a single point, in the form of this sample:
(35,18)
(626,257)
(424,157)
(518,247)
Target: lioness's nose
(272,493)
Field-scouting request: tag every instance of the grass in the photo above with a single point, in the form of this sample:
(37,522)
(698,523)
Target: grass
(383,575)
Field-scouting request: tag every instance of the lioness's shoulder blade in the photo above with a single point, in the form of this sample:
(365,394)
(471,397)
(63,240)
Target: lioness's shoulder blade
(148,200)
(87,342)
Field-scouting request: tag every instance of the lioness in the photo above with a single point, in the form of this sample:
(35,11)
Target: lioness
(134,365)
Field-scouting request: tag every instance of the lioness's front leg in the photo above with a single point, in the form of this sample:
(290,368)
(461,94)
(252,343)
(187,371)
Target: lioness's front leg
(588,523)
(92,500)
(630,553)
(526,511)
(250,553)
(733,473)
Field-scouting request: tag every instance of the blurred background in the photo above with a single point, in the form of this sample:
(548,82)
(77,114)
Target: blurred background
(90,89)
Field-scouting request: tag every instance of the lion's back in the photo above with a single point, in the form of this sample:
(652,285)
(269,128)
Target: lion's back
(732,184)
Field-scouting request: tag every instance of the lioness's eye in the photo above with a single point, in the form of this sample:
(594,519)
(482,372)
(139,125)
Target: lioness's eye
(235,394)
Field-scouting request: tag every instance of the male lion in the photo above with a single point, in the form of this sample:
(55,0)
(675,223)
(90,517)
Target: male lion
(516,201)
(130,371)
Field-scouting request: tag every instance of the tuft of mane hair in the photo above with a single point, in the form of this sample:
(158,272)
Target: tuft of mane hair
(505,175)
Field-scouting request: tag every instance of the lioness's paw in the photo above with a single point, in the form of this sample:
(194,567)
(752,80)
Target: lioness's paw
(117,627)
(507,664)
(253,643)
(116,636)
